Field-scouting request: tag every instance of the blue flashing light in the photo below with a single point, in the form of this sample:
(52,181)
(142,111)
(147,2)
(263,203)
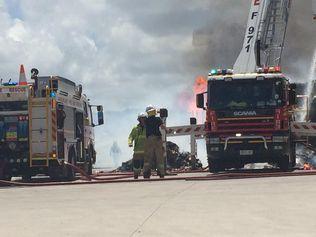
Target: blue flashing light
(10,84)
(52,94)
(213,72)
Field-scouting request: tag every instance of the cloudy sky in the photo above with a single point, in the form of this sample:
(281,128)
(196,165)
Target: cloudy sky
(131,53)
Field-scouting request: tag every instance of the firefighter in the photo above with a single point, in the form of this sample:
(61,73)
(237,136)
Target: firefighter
(153,144)
(138,137)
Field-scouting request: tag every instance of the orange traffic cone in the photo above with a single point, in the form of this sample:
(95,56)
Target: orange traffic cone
(22,79)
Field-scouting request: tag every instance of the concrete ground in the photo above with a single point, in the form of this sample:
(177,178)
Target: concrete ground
(254,207)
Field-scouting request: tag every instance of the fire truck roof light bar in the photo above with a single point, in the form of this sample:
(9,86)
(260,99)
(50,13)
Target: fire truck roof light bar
(217,72)
(276,69)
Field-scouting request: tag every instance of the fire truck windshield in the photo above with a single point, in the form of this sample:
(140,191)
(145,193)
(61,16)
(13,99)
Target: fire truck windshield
(244,94)
(13,106)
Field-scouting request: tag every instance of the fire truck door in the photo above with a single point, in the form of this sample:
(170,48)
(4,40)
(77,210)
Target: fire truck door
(80,135)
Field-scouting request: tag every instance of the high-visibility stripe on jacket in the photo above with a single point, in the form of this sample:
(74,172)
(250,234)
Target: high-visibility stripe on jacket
(138,137)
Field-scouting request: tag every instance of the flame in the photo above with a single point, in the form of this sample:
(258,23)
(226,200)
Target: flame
(187,98)
(307,166)
(200,86)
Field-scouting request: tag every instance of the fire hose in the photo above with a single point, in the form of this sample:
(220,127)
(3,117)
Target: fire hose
(126,177)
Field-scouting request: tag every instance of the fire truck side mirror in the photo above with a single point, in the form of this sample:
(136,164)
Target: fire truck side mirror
(163,113)
(100,115)
(200,101)
(100,118)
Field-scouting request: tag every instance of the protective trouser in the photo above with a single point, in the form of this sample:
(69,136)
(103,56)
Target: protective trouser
(154,154)
(138,162)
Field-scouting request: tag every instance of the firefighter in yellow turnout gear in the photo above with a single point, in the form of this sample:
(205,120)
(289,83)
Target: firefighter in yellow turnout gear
(138,137)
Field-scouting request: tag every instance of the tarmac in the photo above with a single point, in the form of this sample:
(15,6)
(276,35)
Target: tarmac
(283,206)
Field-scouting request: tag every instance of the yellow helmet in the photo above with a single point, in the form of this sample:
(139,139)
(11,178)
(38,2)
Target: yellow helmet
(151,111)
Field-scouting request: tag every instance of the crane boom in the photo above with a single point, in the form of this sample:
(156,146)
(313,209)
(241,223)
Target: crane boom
(272,32)
(314,9)
(246,61)
(265,35)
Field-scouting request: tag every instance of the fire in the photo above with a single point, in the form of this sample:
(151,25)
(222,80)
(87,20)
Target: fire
(187,101)
(307,166)
(200,86)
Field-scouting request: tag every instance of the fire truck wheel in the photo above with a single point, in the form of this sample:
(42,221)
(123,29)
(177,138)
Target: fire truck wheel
(70,170)
(215,166)
(89,161)
(284,163)
(5,174)
(26,177)
(6,177)
(293,156)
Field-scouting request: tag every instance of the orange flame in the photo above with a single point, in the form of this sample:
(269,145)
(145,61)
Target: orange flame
(307,166)
(200,86)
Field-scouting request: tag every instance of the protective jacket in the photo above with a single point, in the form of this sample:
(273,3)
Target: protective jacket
(138,136)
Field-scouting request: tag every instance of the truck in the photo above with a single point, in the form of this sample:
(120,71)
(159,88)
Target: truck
(249,108)
(248,119)
(44,126)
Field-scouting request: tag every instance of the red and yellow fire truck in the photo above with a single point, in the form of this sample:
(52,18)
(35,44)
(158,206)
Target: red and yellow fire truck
(248,119)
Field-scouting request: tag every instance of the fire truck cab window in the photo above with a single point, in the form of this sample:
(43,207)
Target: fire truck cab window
(244,94)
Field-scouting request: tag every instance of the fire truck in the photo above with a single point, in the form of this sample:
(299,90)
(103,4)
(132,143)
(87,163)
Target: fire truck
(248,119)
(45,125)
(249,109)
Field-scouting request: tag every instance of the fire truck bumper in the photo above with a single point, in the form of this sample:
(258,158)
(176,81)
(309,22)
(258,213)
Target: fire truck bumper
(14,155)
(244,150)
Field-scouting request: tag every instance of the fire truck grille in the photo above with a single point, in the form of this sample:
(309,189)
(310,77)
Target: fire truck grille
(246,123)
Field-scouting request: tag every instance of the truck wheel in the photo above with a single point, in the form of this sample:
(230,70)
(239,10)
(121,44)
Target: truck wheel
(284,163)
(7,177)
(215,166)
(89,162)
(70,172)
(293,155)
(5,174)
(26,177)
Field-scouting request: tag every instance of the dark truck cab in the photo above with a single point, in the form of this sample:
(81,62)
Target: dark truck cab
(248,120)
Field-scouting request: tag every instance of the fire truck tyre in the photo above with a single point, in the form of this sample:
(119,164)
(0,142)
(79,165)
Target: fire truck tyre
(293,156)
(284,163)
(89,161)
(215,166)
(5,174)
(6,177)
(70,170)
(26,177)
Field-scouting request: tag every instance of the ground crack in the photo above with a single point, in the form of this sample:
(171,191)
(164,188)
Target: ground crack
(159,206)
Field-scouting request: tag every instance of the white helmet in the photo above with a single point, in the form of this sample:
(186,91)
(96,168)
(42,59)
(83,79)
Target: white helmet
(141,115)
(149,107)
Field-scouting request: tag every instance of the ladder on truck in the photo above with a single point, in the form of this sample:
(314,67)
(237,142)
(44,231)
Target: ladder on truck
(272,32)
(39,130)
